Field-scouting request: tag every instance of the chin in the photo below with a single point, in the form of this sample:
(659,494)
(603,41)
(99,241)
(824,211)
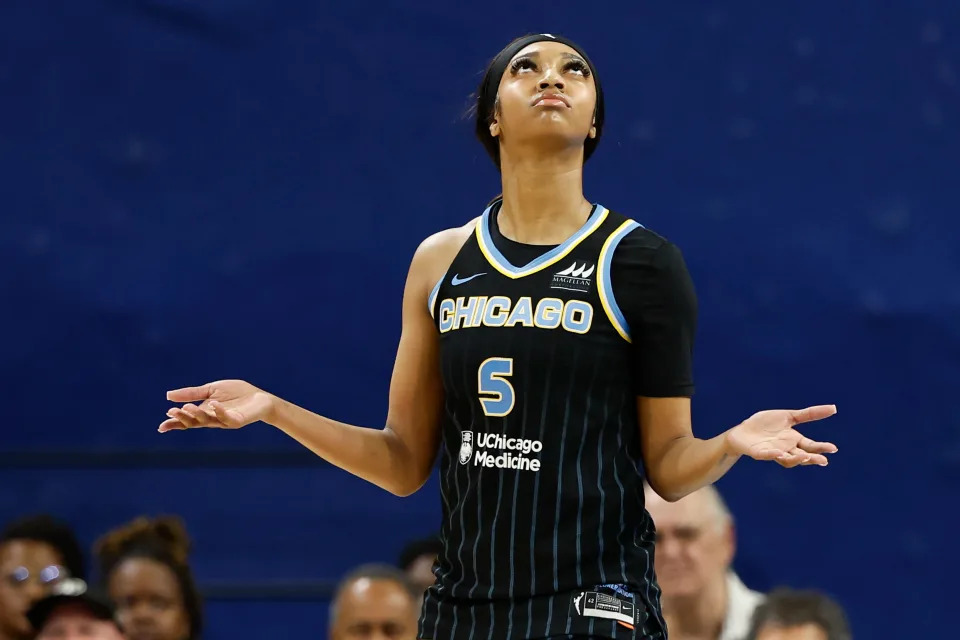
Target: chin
(679,587)
(553,138)
(554,125)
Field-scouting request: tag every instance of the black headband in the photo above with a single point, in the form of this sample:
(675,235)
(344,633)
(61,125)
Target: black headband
(491,86)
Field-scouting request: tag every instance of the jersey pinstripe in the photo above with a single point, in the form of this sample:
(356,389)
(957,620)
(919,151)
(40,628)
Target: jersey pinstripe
(540,466)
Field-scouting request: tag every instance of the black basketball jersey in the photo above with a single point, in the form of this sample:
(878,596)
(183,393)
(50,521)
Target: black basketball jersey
(544,528)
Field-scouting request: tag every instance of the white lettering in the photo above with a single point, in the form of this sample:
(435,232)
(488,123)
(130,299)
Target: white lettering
(500,454)
(463,312)
(575,316)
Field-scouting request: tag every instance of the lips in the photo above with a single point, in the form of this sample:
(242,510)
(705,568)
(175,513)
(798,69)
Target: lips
(551,99)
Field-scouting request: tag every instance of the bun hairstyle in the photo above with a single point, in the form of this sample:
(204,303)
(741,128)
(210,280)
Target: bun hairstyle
(165,534)
(163,539)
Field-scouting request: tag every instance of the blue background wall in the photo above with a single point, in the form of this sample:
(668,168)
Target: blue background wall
(193,191)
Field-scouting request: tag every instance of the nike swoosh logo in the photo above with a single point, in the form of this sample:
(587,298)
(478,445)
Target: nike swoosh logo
(458,280)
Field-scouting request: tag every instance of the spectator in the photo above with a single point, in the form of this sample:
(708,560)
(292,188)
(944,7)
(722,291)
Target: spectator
(417,559)
(145,570)
(71,612)
(36,552)
(375,601)
(702,597)
(799,615)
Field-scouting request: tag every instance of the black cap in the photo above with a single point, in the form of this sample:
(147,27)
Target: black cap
(67,591)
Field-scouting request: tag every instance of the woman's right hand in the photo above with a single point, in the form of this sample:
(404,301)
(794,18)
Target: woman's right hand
(225,404)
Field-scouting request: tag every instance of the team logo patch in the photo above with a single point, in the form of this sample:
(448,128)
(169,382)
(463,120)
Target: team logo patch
(466,446)
(576,277)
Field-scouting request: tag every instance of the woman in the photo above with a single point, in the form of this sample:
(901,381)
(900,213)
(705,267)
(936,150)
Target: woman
(36,553)
(546,351)
(145,572)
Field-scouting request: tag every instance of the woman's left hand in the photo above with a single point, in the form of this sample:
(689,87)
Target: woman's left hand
(770,435)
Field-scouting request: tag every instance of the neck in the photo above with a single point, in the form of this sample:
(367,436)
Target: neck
(698,616)
(543,200)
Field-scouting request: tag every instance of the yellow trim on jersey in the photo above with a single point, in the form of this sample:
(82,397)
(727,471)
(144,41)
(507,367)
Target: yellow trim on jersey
(604,288)
(536,265)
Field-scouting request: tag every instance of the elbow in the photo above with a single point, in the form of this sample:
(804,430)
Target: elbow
(407,471)
(404,490)
(406,487)
(672,496)
(665,491)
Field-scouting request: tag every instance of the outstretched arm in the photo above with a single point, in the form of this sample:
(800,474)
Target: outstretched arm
(398,457)
(657,293)
(677,463)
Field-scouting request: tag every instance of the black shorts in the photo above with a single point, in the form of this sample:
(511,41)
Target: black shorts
(577,614)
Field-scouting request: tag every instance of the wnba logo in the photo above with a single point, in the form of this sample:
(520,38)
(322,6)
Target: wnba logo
(466,446)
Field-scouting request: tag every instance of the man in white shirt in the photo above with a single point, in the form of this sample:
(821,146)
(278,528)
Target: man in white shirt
(703,599)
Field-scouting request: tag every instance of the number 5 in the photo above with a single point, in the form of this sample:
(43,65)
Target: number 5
(492,382)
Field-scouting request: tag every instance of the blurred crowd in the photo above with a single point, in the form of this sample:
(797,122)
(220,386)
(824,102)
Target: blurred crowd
(145,588)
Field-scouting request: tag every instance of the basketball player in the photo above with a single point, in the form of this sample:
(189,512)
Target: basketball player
(546,351)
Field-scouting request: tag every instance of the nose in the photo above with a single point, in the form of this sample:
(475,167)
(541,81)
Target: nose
(141,614)
(668,547)
(551,79)
(33,590)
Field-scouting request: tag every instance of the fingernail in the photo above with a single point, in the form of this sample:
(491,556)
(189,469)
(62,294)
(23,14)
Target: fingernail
(823,464)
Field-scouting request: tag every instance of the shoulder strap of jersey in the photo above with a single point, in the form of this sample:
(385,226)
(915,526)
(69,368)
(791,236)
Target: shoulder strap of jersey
(604,285)
(432,298)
